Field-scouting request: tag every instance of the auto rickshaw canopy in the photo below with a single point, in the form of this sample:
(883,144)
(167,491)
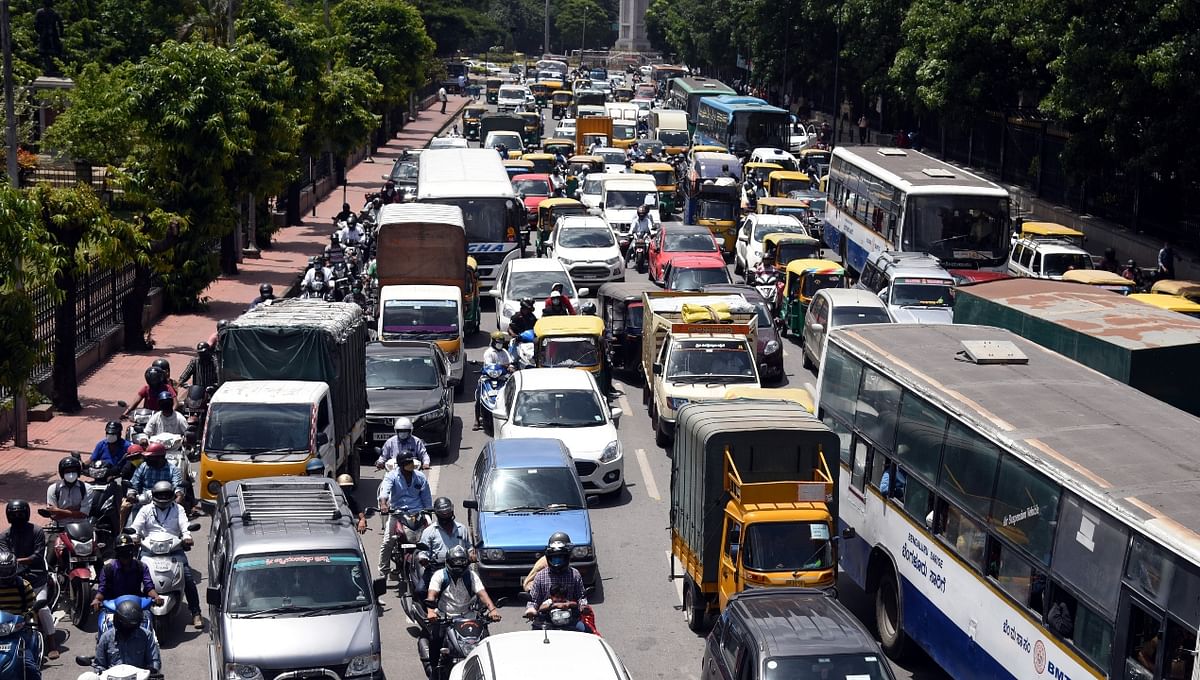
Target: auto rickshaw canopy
(656,170)
(778,242)
(568,326)
(771,205)
(553,146)
(799,271)
(1098,277)
(1178,288)
(1044,230)
(580,162)
(778,180)
(1172,303)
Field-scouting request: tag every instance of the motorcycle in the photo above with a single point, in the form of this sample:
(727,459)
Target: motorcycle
(108,609)
(118,672)
(492,379)
(563,619)
(460,636)
(639,252)
(521,350)
(404,558)
(75,554)
(162,553)
(21,647)
(195,406)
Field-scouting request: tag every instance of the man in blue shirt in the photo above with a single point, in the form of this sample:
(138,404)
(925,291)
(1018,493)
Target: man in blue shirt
(157,469)
(112,448)
(404,488)
(126,643)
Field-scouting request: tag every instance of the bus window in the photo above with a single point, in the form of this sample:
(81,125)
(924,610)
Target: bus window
(917,501)
(1015,575)
(1178,660)
(1089,551)
(969,468)
(879,404)
(862,456)
(964,535)
(1025,509)
(1143,643)
(919,439)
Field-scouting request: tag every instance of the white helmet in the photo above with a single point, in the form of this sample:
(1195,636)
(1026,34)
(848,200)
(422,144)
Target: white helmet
(403,428)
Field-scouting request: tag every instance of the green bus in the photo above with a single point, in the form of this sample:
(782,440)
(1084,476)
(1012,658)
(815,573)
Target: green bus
(685,93)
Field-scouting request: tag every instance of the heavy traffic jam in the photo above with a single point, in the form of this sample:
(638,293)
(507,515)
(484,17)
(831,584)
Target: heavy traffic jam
(893,422)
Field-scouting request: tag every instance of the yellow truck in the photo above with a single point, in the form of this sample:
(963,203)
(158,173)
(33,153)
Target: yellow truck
(694,346)
(590,129)
(753,502)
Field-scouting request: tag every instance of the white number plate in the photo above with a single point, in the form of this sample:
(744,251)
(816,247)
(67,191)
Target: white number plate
(382,436)
(162,563)
(6,647)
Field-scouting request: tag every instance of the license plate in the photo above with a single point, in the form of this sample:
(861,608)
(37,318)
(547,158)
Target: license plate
(162,563)
(6,647)
(382,436)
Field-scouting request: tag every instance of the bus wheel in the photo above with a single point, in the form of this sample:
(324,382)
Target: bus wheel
(693,607)
(889,617)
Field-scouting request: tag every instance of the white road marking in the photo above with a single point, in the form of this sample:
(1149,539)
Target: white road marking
(785,354)
(431,476)
(624,404)
(647,475)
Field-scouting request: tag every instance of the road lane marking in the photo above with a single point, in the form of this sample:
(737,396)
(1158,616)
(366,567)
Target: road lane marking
(431,476)
(647,476)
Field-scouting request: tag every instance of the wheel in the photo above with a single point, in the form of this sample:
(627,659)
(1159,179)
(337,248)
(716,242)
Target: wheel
(460,387)
(81,599)
(489,425)
(889,617)
(693,608)
(161,626)
(808,363)
(660,435)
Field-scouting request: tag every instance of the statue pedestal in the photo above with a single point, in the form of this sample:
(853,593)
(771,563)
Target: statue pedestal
(44,89)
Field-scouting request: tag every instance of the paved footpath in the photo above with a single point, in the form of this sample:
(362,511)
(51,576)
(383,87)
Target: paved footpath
(25,473)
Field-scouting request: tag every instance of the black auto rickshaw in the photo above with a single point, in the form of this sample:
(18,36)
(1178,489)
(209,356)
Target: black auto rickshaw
(492,89)
(620,308)
(471,116)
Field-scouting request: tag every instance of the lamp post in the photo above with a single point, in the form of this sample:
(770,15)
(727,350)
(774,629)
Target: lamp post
(583,37)
(546,29)
(20,407)
(837,55)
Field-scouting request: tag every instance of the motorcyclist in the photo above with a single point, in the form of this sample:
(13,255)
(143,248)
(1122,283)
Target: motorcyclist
(347,483)
(344,215)
(113,447)
(555,306)
(766,266)
(373,211)
(389,193)
(17,598)
(356,295)
(451,590)
(68,492)
(202,369)
(334,251)
(351,234)
(540,564)
(404,488)
(440,537)
(166,419)
(28,544)
(321,272)
(403,443)
(165,514)
(266,292)
(155,469)
(125,575)
(558,574)
(156,383)
(524,319)
(497,351)
(559,288)
(125,643)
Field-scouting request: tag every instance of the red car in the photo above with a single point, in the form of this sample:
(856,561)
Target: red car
(533,188)
(968,276)
(694,272)
(681,239)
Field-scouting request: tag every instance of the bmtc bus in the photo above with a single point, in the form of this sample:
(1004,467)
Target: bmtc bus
(741,124)
(661,74)
(686,92)
(475,181)
(898,199)
(1013,513)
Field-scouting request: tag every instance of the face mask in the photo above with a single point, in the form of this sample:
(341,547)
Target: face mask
(70,477)
(403,436)
(112,438)
(156,462)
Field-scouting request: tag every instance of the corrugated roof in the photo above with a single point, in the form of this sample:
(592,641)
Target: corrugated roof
(409,213)
(339,318)
(1110,443)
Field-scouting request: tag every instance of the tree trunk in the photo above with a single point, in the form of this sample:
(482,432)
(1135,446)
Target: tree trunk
(229,254)
(131,310)
(65,381)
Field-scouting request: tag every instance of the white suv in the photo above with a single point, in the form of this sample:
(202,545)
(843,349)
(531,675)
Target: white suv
(1046,258)
(914,286)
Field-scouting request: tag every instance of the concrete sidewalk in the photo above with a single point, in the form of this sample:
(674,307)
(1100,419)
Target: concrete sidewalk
(25,473)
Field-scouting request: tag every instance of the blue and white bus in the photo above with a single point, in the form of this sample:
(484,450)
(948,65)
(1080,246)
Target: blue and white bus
(882,198)
(741,124)
(475,181)
(1015,514)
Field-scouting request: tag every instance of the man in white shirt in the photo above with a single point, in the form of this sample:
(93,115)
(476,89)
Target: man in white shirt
(167,419)
(351,234)
(164,514)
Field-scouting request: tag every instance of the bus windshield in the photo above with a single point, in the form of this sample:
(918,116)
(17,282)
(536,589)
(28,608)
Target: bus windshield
(486,219)
(957,227)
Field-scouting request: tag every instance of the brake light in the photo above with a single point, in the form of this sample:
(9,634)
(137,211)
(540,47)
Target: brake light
(510,235)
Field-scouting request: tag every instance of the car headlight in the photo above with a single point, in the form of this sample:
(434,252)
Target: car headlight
(11,627)
(676,403)
(363,665)
(771,347)
(613,261)
(581,552)
(453,357)
(566,261)
(493,555)
(241,671)
(435,414)
(611,452)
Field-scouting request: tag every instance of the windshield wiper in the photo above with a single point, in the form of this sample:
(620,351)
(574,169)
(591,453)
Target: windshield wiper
(285,609)
(520,508)
(335,608)
(557,507)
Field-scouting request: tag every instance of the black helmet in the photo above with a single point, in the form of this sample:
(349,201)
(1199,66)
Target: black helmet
(558,555)
(222,324)
(8,566)
(163,494)
(443,507)
(457,560)
(112,427)
(127,546)
(155,377)
(203,347)
(163,364)
(527,303)
(266,290)
(588,308)
(17,511)
(69,464)
(129,615)
(559,537)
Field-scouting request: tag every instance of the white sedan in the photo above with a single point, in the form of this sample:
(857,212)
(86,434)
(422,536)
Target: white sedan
(565,128)
(566,404)
(530,277)
(587,248)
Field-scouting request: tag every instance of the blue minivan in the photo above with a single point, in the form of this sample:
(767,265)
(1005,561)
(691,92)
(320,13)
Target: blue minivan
(523,490)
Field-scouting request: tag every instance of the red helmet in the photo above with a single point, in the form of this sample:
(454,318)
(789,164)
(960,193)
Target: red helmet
(155,449)
(134,451)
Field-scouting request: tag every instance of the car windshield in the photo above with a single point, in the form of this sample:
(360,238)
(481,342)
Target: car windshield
(922,293)
(405,171)
(764,314)
(511,140)
(512,93)
(531,488)
(695,279)
(531,187)
(789,227)
(716,360)
(673,137)
(592,186)
(294,583)
(401,372)
(557,408)
(612,157)
(236,428)
(787,546)
(689,243)
(849,666)
(851,316)
(420,319)
(586,238)
(537,285)
(1057,264)
(569,353)
(717,210)
(624,131)
(626,199)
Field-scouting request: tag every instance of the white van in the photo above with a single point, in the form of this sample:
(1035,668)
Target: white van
(1046,259)
(591,191)
(621,199)
(430,313)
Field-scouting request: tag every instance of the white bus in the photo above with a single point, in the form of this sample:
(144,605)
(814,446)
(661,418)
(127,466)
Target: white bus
(1015,514)
(475,181)
(898,199)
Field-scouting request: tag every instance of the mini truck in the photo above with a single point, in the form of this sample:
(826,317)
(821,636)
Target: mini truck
(753,502)
(694,346)
(293,387)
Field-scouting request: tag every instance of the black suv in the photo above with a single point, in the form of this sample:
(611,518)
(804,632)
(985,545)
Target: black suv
(782,633)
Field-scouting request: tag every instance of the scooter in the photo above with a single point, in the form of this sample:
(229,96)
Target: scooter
(563,619)
(765,282)
(460,636)
(177,456)
(492,379)
(119,672)
(138,419)
(21,648)
(639,255)
(76,553)
(108,609)
(162,553)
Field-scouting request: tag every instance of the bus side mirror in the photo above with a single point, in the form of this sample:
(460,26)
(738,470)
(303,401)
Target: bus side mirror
(849,533)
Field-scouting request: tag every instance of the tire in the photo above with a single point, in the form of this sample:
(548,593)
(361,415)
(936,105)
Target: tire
(489,425)
(161,626)
(81,598)
(460,387)
(660,435)
(694,612)
(808,363)
(889,617)
(738,269)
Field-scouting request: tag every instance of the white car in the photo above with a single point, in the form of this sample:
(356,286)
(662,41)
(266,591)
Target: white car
(802,137)
(529,277)
(614,158)
(565,128)
(538,654)
(565,404)
(591,190)
(511,140)
(748,248)
(448,143)
(587,248)
(834,308)
(511,96)
(767,154)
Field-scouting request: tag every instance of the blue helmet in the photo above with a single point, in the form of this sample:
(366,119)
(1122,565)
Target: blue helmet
(528,336)
(315,467)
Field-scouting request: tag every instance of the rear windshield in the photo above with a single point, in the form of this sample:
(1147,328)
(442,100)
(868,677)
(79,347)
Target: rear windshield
(850,316)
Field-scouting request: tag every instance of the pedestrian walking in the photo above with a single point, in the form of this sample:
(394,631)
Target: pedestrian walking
(442,98)
(1166,261)
(862,129)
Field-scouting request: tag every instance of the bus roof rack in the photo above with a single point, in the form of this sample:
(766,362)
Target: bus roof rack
(277,500)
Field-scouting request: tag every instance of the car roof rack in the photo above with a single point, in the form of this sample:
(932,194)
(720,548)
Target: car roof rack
(276,500)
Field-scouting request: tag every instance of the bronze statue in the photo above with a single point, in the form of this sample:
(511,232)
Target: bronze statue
(49,27)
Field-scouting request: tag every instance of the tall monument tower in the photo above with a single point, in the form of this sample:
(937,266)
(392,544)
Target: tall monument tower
(631,35)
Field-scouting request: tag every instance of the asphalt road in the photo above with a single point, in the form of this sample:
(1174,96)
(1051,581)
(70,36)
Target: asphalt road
(636,605)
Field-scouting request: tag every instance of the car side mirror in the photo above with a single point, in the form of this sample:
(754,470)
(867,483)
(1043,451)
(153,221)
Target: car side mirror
(817,328)
(212,595)
(657,368)
(322,439)
(470,504)
(495,292)
(884,294)
(385,177)
(616,414)
(600,206)
(379,586)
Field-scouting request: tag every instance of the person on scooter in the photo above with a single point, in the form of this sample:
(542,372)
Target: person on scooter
(556,305)
(202,369)
(266,293)
(404,488)
(28,543)
(165,514)
(451,590)
(156,383)
(558,574)
(524,319)
(347,484)
(156,468)
(125,643)
(124,575)
(497,351)
(167,419)
(540,564)
(562,294)
(68,492)
(315,467)
(440,537)
(403,443)
(112,448)
(17,598)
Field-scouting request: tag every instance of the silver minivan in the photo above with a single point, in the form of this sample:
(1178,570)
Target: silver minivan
(834,308)
(914,286)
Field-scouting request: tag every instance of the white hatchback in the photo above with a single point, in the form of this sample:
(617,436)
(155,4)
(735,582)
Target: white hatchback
(537,654)
(587,248)
(565,404)
(834,308)
(529,277)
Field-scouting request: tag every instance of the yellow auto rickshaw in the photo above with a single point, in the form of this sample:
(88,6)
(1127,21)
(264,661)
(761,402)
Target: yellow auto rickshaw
(540,92)
(664,180)
(570,342)
(471,297)
(1038,231)
(542,162)
(1177,288)
(782,182)
(782,248)
(1172,303)
(517,166)
(556,146)
(793,394)
(549,210)
(708,148)
(491,89)
(577,165)
(1100,279)
(533,129)
(760,171)
(561,102)
(471,116)
(804,278)
(623,94)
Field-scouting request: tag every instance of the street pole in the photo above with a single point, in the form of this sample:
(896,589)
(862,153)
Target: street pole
(583,37)
(837,54)
(20,407)
(546,29)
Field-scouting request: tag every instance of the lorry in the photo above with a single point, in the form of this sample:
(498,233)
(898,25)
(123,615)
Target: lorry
(587,129)
(292,388)
(426,289)
(753,501)
(694,346)
(670,127)
(1154,350)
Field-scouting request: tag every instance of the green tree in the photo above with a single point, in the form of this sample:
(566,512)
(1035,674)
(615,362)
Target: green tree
(95,125)
(23,238)
(386,37)
(580,23)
